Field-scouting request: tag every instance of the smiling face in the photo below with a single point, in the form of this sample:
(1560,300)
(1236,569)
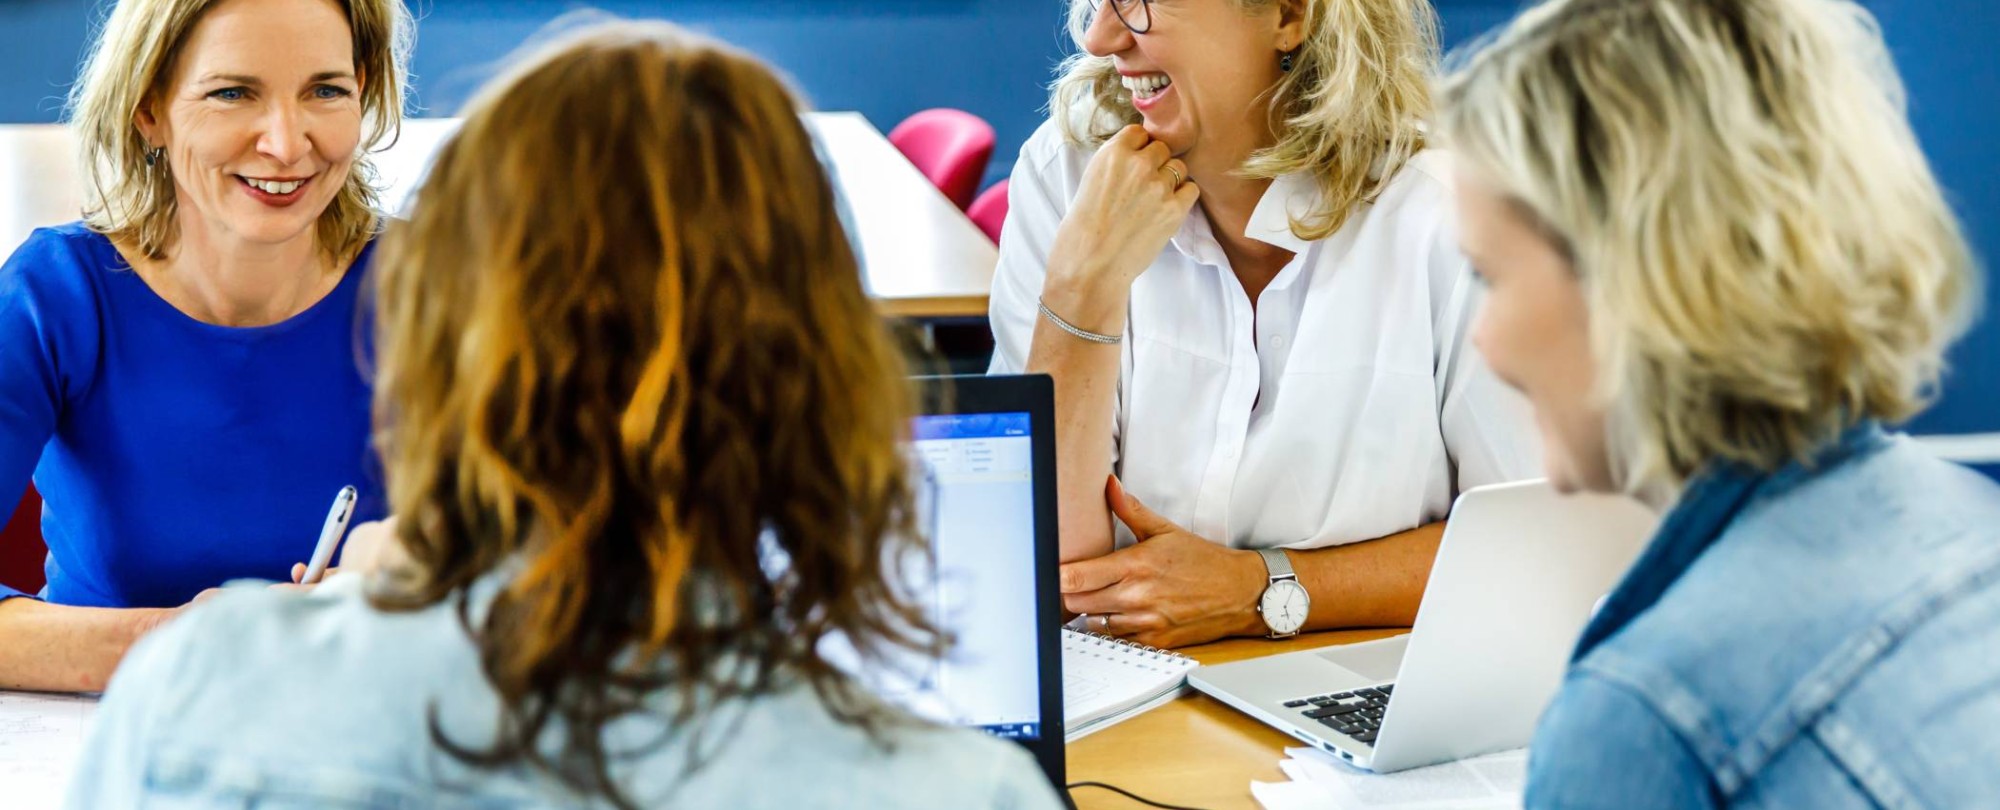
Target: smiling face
(1199,74)
(260,118)
(1534,331)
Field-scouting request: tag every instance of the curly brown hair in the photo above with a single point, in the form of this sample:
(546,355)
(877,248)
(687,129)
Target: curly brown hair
(625,347)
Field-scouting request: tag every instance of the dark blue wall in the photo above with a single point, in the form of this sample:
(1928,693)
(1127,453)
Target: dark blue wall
(889,58)
(1944,49)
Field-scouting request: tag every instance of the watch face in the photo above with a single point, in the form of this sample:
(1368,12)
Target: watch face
(1284,606)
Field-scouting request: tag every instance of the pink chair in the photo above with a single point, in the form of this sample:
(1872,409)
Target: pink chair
(950,147)
(989,212)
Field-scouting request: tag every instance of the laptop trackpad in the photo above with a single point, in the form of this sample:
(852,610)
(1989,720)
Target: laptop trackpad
(1374,661)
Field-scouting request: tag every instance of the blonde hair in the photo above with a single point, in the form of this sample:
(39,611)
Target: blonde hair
(129,67)
(1767,257)
(624,343)
(1350,111)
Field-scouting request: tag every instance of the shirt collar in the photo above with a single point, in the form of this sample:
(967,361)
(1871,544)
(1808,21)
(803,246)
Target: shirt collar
(1195,241)
(1290,196)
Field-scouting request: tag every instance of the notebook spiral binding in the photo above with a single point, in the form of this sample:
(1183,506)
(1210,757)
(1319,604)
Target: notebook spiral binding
(1143,648)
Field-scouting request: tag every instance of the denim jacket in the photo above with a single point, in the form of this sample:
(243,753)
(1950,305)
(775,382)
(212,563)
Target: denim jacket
(271,699)
(1824,637)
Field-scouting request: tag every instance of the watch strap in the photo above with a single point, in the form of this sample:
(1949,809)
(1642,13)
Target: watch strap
(1276,564)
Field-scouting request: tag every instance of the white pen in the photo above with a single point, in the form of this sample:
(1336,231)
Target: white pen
(330,534)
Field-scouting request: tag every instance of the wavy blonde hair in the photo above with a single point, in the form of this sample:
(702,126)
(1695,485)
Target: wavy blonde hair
(1765,252)
(624,343)
(1349,113)
(129,67)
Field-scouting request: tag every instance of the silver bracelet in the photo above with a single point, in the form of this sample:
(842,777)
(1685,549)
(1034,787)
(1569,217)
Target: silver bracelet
(1073,329)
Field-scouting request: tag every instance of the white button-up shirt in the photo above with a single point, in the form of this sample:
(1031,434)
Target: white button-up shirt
(1346,406)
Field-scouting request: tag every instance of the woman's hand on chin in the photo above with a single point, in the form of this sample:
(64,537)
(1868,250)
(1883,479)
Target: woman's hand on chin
(1133,197)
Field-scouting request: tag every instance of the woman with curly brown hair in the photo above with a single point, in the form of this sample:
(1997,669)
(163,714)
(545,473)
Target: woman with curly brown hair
(642,428)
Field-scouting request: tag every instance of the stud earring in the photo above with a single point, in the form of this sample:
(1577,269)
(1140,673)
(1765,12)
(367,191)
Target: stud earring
(1285,62)
(153,155)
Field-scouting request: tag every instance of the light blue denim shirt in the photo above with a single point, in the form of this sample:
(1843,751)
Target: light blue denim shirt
(273,699)
(1825,638)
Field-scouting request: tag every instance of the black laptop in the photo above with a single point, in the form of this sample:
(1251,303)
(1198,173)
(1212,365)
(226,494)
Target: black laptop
(988,445)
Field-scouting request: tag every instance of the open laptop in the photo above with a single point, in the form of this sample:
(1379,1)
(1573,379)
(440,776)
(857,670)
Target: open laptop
(1516,577)
(987,446)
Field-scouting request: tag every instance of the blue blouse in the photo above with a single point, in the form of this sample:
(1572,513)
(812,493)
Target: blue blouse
(172,455)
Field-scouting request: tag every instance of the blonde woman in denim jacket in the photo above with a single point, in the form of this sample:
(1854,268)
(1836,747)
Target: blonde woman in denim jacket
(1718,267)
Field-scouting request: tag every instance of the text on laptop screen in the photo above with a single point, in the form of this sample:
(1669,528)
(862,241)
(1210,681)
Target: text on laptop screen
(981,471)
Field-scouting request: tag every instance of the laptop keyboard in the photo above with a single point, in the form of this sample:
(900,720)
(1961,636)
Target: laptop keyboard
(1356,714)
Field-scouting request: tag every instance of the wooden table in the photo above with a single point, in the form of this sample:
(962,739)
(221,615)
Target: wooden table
(923,258)
(1194,751)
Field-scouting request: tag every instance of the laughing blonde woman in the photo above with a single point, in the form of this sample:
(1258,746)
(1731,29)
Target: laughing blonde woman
(1232,251)
(1720,269)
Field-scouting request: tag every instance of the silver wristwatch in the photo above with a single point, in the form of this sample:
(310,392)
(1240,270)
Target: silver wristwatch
(1285,602)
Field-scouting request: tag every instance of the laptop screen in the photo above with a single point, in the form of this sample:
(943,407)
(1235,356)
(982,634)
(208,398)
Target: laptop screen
(981,471)
(985,457)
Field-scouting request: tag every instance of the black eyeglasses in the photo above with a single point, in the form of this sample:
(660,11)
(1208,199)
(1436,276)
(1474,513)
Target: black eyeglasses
(1137,15)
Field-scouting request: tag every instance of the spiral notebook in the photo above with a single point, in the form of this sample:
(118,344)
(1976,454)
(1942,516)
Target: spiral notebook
(1106,680)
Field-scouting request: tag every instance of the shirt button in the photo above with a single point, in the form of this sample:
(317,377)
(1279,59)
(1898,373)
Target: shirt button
(1276,340)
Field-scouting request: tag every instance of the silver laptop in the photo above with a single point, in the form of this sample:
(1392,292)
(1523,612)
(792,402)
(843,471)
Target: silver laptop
(1516,577)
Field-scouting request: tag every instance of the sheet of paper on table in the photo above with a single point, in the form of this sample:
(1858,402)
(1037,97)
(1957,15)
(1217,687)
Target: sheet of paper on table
(41,737)
(1321,782)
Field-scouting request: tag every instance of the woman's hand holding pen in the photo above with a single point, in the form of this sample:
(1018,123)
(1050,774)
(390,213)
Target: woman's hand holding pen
(308,574)
(367,548)
(89,667)
(299,573)
(370,546)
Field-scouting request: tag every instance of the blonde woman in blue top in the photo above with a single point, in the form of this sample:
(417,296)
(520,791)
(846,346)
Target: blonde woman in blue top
(1719,266)
(181,373)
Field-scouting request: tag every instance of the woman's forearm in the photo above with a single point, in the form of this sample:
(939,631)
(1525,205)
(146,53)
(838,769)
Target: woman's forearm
(62,648)
(1086,387)
(1374,583)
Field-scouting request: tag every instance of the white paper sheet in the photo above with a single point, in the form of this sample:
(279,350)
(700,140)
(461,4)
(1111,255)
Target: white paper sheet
(41,737)
(1292,796)
(1321,782)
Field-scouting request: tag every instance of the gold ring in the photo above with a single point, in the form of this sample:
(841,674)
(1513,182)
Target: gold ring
(1173,171)
(1104,623)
